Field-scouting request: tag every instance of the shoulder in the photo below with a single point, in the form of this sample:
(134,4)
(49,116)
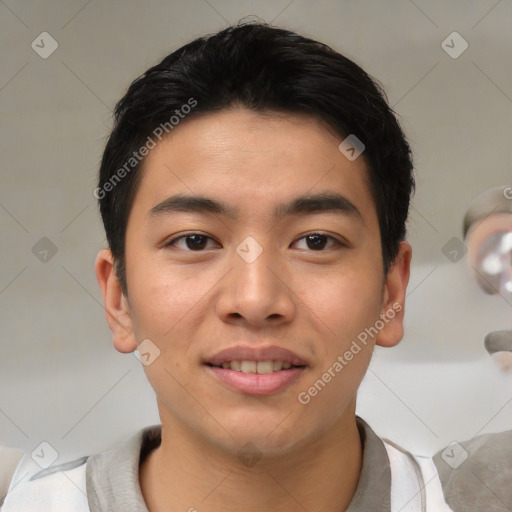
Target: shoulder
(9,460)
(477,474)
(108,480)
(54,489)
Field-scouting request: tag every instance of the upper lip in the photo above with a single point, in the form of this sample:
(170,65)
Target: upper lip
(246,353)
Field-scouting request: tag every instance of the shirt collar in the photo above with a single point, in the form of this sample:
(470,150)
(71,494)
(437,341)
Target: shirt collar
(113,476)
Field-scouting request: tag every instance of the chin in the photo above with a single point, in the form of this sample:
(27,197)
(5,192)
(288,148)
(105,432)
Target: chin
(273,436)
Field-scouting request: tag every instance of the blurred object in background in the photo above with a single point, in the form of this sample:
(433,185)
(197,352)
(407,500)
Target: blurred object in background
(488,233)
(499,346)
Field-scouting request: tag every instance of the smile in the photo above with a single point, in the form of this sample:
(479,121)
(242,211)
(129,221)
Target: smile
(256,378)
(259,367)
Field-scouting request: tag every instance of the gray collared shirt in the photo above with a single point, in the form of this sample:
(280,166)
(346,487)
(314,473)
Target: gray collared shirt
(479,481)
(113,476)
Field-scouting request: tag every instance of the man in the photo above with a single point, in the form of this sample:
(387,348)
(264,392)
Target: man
(254,192)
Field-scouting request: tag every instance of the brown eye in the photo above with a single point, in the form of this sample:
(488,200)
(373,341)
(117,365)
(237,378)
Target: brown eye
(194,242)
(319,241)
(316,241)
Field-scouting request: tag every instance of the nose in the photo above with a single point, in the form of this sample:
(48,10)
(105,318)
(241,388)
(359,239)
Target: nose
(256,292)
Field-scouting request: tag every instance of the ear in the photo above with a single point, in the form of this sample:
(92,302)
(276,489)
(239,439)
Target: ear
(395,287)
(117,309)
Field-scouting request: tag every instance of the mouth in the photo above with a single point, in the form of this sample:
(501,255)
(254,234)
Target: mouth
(251,371)
(258,367)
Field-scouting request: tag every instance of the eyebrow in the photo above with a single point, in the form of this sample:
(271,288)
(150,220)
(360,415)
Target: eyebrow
(327,202)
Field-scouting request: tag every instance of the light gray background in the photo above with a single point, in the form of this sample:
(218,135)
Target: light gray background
(61,381)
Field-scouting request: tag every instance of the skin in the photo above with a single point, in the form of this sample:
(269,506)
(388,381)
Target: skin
(192,304)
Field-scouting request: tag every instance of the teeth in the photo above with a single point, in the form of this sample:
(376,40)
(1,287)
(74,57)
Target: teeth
(264,367)
(259,367)
(248,366)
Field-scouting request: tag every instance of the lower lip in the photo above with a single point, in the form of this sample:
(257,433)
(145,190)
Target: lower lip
(254,383)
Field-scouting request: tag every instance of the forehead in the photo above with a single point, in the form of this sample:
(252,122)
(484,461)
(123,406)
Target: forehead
(253,163)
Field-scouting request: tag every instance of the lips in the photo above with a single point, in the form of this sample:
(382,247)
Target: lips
(256,371)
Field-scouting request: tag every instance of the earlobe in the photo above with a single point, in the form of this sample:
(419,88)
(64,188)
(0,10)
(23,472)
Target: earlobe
(395,287)
(117,309)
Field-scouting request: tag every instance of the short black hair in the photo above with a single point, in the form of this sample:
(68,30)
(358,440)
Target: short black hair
(265,69)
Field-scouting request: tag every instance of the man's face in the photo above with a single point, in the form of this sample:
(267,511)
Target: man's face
(252,281)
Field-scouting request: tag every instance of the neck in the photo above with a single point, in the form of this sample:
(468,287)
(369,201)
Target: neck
(320,476)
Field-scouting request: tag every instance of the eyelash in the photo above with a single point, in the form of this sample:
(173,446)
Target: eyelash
(171,242)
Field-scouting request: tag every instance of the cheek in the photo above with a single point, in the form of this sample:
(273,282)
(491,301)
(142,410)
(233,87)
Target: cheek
(343,304)
(159,303)
(345,315)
